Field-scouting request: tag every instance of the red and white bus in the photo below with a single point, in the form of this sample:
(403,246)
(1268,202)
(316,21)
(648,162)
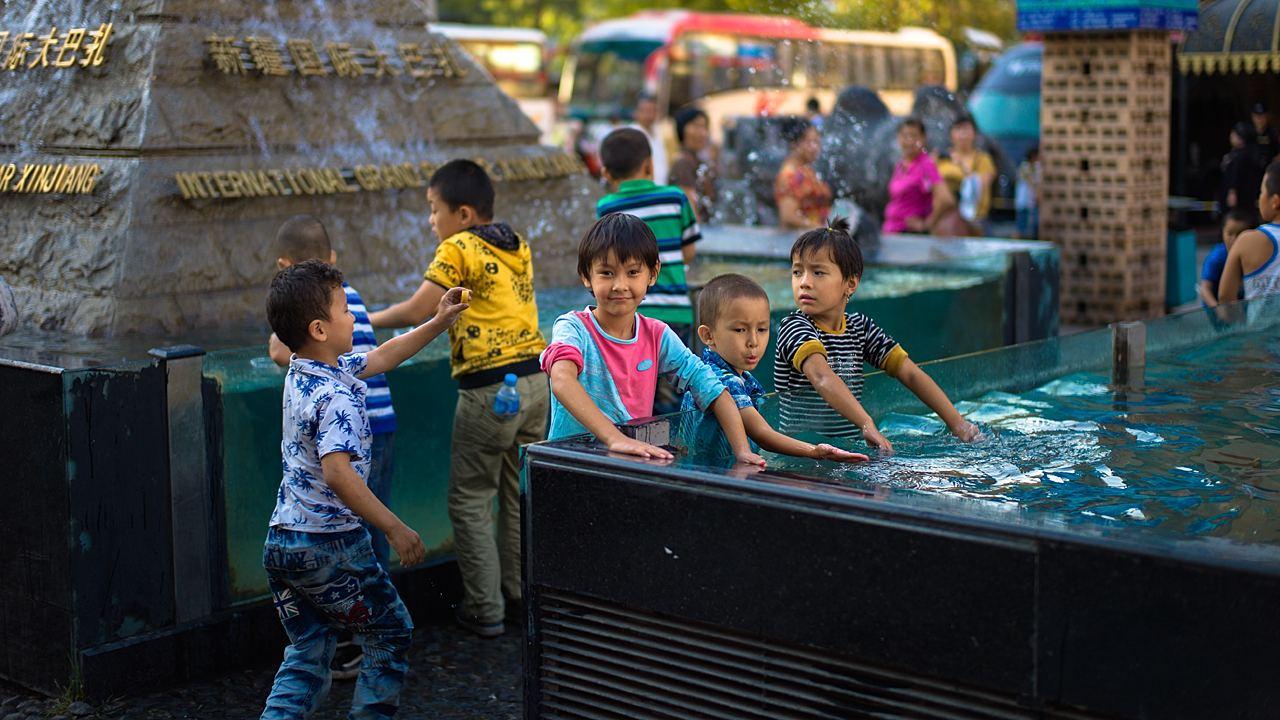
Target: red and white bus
(734,65)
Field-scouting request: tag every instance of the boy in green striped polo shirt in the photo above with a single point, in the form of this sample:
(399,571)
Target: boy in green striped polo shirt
(628,165)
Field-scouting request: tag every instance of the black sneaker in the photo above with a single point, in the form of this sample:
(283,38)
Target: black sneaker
(479,627)
(346,661)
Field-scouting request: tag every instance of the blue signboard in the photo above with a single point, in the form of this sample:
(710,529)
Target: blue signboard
(1084,15)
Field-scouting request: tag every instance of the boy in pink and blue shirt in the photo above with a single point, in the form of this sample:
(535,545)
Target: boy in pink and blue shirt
(604,361)
(622,375)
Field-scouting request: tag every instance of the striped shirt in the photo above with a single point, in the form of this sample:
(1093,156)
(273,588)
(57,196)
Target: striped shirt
(382,417)
(666,210)
(847,349)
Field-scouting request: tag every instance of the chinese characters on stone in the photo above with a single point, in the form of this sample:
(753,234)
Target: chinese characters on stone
(254,55)
(74,47)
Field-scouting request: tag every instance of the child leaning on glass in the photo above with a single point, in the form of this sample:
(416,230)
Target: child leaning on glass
(821,348)
(604,361)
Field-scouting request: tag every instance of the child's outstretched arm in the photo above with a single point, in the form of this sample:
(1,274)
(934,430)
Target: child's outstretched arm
(345,482)
(919,382)
(391,353)
(569,391)
(758,429)
(412,311)
(836,394)
(731,423)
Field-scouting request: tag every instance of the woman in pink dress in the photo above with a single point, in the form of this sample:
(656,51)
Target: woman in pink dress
(918,197)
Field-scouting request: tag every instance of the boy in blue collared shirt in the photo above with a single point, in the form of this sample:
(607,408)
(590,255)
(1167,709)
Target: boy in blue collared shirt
(319,560)
(733,316)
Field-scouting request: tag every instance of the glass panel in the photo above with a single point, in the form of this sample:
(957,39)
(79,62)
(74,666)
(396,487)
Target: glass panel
(1188,461)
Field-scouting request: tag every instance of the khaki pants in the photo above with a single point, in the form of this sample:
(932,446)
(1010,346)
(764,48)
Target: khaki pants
(484,463)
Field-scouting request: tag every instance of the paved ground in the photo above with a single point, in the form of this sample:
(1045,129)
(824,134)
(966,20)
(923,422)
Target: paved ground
(454,676)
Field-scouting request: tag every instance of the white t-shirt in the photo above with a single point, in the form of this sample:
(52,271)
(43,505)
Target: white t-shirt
(661,168)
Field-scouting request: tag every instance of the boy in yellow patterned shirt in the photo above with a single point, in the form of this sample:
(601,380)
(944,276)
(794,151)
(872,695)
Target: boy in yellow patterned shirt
(496,337)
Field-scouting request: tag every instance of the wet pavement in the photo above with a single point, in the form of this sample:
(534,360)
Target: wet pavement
(453,676)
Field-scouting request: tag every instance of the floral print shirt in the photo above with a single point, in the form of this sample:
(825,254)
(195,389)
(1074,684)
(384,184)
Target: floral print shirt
(324,412)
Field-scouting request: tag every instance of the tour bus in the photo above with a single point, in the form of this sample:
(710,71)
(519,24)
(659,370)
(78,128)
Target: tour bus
(516,58)
(733,65)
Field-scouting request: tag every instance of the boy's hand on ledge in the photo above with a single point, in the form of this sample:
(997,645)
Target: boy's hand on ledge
(749,458)
(408,545)
(452,304)
(628,446)
(831,452)
(967,431)
(877,441)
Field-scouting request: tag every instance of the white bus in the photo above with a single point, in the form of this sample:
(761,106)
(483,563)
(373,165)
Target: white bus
(516,58)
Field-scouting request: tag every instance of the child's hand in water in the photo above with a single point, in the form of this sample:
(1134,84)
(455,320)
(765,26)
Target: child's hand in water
(967,431)
(453,303)
(629,446)
(831,452)
(877,441)
(749,458)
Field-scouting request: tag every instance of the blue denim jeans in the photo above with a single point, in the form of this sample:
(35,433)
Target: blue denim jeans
(380,470)
(323,583)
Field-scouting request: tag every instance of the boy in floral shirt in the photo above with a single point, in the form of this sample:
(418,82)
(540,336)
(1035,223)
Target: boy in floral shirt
(319,560)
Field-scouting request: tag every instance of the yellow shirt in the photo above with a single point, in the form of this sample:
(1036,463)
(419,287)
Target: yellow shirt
(501,325)
(952,173)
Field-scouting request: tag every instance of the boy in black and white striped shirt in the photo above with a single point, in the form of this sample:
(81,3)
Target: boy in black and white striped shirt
(821,348)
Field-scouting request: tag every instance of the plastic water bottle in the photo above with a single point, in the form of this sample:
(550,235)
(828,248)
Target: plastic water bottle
(507,402)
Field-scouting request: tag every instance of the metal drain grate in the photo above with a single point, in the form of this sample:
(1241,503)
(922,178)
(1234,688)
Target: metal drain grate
(601,662)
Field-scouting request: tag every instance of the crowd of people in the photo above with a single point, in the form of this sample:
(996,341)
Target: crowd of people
(332,531)
(947,193)
(330,535)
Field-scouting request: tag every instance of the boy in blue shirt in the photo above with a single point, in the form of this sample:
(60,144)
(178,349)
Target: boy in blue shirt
(1236,221)
(320,564)
(300,238)
(733,313)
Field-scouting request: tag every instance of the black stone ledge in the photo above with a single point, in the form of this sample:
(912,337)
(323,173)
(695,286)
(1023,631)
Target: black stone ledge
(1102,624)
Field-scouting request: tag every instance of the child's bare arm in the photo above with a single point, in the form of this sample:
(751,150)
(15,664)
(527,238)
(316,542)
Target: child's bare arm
(391,353)
(278,351)
(343,480)
(412,311)
(569,391)
(1205,289)
(731,423)
(766,437)
(919,382)
(836,394)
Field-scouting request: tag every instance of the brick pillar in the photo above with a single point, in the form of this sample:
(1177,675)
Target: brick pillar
(1104,118)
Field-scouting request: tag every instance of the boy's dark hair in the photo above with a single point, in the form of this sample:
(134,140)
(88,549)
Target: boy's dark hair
(836,238)
(463,182)
(1033,152)
(624,151)
(299,294)
(303,237)
(915,122)
(627,237)
(685,116)
(812,105)
(1272,178)
(794,129)
(1245,216)
(722,290)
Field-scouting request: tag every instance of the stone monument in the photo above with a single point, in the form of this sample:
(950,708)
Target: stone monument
(151,148)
